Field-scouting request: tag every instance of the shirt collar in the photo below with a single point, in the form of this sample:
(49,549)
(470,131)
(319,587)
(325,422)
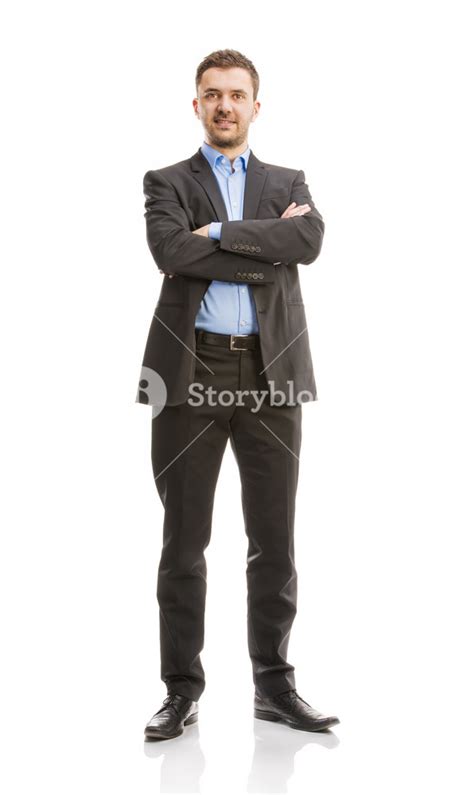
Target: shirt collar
(215,157)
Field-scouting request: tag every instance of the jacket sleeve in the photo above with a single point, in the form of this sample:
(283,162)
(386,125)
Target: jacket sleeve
(288,240)
(177,250)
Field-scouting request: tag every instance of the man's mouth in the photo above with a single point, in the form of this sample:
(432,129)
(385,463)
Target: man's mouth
(224,123)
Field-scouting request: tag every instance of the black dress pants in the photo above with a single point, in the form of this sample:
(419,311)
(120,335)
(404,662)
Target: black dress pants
(188,443)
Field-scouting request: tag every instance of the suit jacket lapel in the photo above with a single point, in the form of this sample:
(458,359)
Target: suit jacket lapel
(254,182)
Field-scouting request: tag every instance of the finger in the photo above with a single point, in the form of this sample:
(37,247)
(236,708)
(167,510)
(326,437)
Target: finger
(299,207)
(304,208)
(286,213)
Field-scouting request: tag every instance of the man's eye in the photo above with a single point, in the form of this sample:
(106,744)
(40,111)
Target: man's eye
(212,95)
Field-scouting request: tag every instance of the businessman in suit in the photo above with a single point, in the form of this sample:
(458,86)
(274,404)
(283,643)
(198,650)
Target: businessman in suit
(228,357)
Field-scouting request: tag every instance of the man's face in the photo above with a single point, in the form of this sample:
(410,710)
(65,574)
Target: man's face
(225,106)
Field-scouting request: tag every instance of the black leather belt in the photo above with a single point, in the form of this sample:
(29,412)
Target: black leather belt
(234,342)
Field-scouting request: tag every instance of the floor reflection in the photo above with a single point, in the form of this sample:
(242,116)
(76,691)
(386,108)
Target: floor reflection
(274,754)
(272,764)
(183,761)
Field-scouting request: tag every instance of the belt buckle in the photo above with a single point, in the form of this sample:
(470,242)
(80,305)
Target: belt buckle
(232,341)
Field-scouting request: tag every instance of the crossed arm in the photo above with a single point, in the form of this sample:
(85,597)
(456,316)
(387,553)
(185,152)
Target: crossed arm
(294,237)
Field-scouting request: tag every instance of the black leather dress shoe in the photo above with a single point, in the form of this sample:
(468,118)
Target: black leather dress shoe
(177,711)
(291,709)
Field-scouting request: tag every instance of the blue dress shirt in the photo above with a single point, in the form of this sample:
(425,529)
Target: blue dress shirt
(228,307)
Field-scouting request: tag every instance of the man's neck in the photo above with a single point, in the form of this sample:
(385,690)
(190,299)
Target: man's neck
(230,153)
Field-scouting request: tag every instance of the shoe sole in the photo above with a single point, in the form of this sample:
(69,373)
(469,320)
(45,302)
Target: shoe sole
(155,735)
(261,714)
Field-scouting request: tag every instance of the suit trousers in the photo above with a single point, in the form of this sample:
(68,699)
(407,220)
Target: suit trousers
(188,443)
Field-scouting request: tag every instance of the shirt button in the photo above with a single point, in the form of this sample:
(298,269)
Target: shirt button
(243,322)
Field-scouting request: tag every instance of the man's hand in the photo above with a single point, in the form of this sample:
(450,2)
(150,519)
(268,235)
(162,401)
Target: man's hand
(203,230)
(295,209)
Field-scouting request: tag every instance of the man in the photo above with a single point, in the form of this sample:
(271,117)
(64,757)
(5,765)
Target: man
(227,357)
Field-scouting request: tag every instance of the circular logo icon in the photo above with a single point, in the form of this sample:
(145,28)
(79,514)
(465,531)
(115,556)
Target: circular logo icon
(151,390)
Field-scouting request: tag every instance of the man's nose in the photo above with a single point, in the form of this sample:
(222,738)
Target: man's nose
(224,106)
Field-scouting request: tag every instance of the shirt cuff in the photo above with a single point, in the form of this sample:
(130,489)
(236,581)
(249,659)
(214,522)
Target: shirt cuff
(215,230)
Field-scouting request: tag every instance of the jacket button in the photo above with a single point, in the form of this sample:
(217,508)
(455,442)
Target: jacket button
(257,248)
(260,275)
(234,246)
(238,275)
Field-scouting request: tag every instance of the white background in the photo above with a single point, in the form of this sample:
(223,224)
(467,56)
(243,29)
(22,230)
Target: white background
(373,100)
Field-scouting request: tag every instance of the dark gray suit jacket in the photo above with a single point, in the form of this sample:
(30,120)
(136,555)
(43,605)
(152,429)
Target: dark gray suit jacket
(262,250)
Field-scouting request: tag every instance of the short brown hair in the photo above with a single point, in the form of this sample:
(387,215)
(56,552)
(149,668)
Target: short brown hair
(226,59)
